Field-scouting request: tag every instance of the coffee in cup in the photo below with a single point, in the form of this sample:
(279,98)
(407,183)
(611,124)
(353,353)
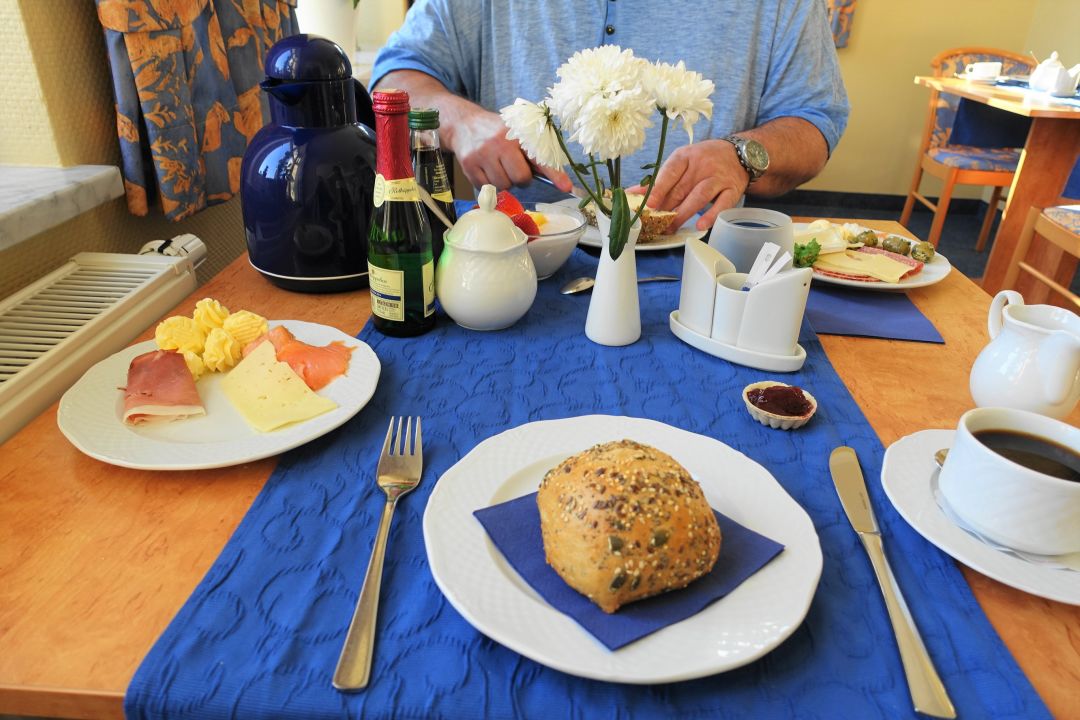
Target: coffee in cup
(1014,477)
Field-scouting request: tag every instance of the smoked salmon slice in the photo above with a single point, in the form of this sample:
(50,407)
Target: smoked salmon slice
(160,387)
(317,365)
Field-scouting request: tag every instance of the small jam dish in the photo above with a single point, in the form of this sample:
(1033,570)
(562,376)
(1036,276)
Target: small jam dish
(780,422)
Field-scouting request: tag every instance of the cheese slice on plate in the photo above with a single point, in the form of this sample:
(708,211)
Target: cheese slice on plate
(269,394)
(879,267)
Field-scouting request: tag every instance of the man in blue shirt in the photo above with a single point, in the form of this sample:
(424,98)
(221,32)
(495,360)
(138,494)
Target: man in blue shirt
(778,110)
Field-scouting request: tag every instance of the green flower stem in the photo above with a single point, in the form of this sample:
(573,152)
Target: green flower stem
(566,151)
(659,157)
(596,178)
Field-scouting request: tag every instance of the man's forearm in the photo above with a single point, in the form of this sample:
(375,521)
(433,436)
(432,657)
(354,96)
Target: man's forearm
(797,152)
(426,91)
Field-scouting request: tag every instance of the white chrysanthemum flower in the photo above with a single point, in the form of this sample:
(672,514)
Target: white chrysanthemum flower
(681,94)
(531,125)
(613,126)
(596,72)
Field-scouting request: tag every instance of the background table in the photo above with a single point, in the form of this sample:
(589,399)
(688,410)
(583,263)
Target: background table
(1051,150)
(95,559)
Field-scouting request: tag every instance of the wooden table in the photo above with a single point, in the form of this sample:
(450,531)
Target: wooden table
(96,560)
(1051,150)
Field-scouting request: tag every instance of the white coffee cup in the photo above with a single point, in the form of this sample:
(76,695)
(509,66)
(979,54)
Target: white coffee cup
(1007,502)
(739,234)
(983,70)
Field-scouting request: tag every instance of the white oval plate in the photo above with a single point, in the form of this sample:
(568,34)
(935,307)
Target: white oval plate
(907,475)
(933,272)
(675,240)
(486,590)
(91,413)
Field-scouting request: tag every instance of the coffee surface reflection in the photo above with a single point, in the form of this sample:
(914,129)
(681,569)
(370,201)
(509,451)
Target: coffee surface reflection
(1033,452)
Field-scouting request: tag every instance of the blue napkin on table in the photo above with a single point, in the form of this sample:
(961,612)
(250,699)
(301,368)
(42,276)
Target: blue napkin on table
(844,311)
(514,527)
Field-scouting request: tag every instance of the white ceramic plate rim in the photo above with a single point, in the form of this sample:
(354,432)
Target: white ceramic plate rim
(591,236)
(933,272)
(906,474)
(89,413)
(755,618)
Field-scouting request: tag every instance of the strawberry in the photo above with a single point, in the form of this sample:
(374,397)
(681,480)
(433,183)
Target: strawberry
(508,204)
(524,221)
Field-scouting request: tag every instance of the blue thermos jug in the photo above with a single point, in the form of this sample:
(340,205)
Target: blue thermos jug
(308,176)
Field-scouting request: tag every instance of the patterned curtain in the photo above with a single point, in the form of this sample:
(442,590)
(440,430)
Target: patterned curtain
(186,79)
(840,15)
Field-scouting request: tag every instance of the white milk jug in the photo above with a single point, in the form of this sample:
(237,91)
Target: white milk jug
(1033,359)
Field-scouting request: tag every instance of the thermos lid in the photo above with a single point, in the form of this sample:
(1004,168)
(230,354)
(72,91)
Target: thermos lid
(424,119)
(306,58)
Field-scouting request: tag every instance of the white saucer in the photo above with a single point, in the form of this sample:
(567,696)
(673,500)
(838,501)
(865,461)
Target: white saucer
(907,475)
(737,355)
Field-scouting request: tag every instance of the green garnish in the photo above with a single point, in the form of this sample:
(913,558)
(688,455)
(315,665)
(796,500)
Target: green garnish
(805,255)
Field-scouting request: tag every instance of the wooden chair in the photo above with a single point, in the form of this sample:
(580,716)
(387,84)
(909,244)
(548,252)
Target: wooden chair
(1058,225)
(961,164)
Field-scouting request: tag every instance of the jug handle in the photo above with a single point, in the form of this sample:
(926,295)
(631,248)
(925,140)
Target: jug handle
(997,307)
(1058,362)
(365,114)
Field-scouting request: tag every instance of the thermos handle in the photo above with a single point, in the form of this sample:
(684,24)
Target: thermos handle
(364,112)
(997,307)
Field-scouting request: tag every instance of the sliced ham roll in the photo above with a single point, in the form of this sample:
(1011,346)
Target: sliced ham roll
(159,389)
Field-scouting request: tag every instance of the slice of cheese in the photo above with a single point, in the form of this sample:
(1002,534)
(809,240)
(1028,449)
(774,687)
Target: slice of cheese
(879,267)
(828,237)
(269,394)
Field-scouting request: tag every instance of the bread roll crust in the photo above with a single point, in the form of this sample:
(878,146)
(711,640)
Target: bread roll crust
(623,521)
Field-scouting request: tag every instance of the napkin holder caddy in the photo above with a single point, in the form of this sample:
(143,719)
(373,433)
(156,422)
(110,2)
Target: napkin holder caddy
(758,328)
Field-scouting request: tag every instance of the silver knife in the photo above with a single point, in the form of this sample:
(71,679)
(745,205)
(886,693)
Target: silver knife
(927,691)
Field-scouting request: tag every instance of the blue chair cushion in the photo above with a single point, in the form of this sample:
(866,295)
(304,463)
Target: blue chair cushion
(976,158)
(1067,216)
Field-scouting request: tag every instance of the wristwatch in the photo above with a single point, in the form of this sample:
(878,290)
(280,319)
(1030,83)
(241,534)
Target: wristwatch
(752,155)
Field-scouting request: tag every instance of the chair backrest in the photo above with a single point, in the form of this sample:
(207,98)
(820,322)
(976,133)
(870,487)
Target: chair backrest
(951,62)
(1061,227)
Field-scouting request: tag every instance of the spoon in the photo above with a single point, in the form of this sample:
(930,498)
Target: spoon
(582,284)
(1070,561)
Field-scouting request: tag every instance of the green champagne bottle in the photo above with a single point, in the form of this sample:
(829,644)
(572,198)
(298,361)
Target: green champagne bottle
(401,267)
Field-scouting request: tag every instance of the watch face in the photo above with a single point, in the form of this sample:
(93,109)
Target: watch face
(756,155)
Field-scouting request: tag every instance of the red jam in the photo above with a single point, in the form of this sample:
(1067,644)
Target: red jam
(786,400)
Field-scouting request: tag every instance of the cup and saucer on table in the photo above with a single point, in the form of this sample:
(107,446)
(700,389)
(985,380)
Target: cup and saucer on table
(983,73)
(1005,502)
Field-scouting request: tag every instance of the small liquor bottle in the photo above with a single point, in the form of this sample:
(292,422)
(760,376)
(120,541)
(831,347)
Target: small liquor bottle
(401,269)
(430,170)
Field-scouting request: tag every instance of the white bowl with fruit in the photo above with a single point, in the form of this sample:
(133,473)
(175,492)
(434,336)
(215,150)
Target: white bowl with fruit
(556,233)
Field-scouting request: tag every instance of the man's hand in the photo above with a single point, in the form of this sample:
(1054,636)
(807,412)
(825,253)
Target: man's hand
(696,175)
(476,136)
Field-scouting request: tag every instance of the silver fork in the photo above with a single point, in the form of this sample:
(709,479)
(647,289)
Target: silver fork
(399,472)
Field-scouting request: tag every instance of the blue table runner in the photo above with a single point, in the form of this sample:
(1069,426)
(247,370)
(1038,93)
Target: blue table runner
(260,635)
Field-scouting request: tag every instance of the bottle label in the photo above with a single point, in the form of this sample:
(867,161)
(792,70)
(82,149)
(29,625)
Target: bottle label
(388,292)
(429,288)
(403,190)
(445,196)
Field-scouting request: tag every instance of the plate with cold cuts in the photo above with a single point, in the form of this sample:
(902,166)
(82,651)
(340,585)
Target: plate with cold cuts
(737,629)
(91,413)
(930,273)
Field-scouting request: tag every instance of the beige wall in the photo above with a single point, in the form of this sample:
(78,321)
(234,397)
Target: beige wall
(892,42)
(1055,25)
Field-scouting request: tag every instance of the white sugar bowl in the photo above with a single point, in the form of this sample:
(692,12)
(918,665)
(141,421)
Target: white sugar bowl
(485,278)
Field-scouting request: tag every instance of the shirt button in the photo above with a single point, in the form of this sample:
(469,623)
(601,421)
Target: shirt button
(610,29)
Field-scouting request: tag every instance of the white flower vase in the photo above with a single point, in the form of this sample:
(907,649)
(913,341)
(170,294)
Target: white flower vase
(614,314)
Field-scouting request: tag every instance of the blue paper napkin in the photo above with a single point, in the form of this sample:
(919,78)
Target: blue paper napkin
(514,527)
(844,311)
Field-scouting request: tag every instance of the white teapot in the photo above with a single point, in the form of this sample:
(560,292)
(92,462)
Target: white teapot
(1052,76)
(485,278)
(1033,359)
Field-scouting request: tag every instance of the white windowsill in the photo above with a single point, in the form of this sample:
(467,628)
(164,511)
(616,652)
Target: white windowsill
(34,199)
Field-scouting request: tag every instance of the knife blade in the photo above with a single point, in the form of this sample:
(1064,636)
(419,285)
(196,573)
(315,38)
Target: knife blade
(928,693)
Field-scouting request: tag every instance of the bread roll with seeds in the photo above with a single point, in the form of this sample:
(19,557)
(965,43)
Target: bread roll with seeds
(623,521)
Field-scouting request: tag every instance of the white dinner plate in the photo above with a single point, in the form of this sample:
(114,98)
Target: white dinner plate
(908,475)
(489,593)
(91,413)
(673,241)
(933,272)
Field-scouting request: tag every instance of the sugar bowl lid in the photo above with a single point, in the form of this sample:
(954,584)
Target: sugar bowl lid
(485,228)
